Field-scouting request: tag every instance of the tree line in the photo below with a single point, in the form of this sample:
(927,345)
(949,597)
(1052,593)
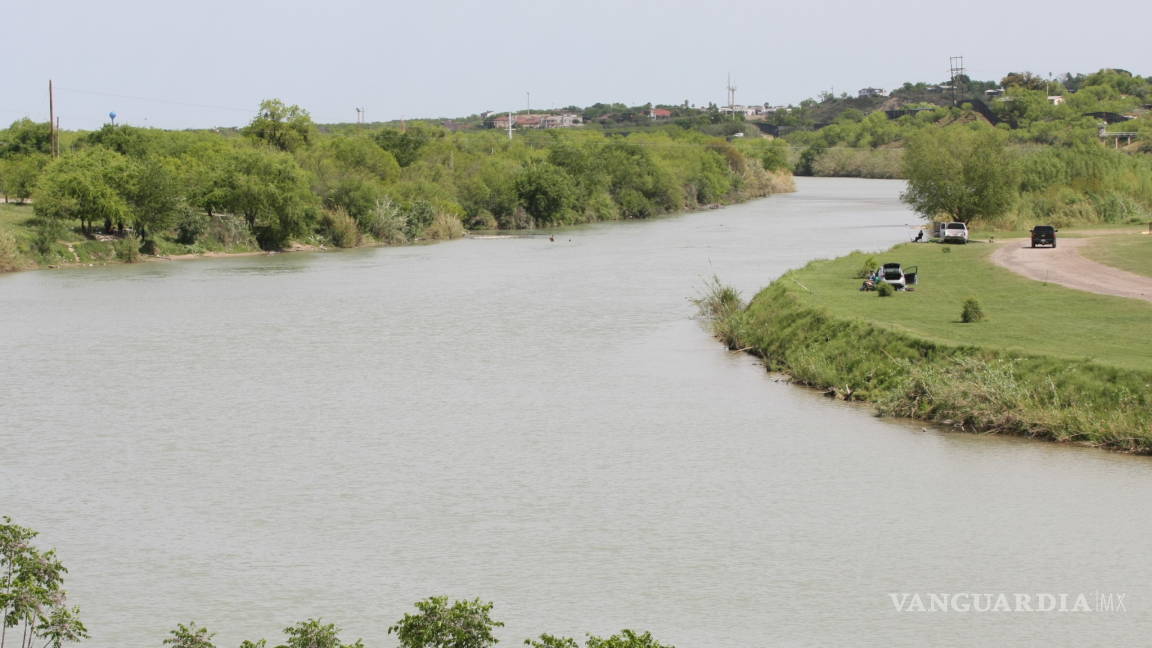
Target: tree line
(282,179)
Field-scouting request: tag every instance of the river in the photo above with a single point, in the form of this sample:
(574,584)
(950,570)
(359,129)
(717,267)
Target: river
(249,442)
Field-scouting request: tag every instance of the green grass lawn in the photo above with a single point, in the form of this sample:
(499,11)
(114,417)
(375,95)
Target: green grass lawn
(1022,315)
(13,217)
(1127,252)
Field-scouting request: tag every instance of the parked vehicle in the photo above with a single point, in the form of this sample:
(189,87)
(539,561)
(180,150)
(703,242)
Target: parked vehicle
(954,232)
(892,274)
(1044,235)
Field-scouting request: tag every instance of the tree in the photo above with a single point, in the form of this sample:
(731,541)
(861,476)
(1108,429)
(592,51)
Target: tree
(959,171)
(268,189)
(26,137)
(550,641)
(406,144)
(190,636)
(464,624)
(313,634)
(155,198)
(18,175)
(83,186)
(626,639)
(546,191)
(31,592)
(287,128)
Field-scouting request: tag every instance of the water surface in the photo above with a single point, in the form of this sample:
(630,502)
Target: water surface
(249,442)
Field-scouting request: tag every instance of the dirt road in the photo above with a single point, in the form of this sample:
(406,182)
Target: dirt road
(1063,265)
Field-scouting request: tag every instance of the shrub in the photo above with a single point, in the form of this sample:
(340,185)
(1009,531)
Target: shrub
(229,231)
(444,227)
(972,312)
(869,266)
(9,253)
(128,248)
(340,228)
(190,226)
(46,235)
(884,289)
(385,222)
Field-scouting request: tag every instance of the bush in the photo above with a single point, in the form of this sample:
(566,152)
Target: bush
(46,235)
(190,226)
(444,227)
(340,228)
(128,248)
(972,312)
(229,231)
(9,253)
(884,289)
(867,268)
(385,223)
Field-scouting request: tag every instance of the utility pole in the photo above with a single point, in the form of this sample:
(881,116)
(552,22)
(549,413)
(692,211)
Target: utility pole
(731,98)
(53,140)
(509,124)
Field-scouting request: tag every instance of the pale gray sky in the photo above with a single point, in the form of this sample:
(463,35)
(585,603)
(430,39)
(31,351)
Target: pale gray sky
(430,58)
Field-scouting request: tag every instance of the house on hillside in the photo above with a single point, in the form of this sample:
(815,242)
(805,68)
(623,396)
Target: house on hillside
(871,92)
(547,120)
(659,113)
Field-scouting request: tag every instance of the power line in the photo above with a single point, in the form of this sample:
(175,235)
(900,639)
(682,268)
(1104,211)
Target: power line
(155,100)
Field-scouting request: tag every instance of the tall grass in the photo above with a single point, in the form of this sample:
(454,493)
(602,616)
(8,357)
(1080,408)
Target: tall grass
(723,307)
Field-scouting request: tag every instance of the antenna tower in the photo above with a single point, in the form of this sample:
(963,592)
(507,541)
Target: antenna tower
(956,70)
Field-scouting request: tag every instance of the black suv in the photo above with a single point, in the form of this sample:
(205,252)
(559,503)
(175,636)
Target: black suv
(1044,235)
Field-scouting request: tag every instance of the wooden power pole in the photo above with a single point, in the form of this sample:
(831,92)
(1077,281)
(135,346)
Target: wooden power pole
(53,139)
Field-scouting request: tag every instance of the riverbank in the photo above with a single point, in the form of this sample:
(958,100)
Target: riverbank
(23,246)
(1048,362)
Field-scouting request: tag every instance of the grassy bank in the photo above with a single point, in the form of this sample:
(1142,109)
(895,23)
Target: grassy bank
(1127,252)
(1047,362)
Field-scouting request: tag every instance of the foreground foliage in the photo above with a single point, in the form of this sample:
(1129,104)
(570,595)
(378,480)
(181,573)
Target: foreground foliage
(32,597)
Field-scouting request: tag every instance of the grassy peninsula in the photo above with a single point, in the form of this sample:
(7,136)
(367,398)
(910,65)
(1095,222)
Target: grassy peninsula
(1047,362)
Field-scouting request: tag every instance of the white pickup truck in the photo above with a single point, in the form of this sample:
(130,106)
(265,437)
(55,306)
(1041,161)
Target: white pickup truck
(952,232)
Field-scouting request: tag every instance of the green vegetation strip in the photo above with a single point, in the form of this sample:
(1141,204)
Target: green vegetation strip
(1127,252)
(1046,362)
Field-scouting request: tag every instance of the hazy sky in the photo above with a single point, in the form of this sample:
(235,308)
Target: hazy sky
(210,62)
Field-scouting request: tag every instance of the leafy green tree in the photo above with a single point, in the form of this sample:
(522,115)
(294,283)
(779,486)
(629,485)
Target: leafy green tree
(84,187)
(313,634)
(31,591)
(550,641)
(19,173)
(287,128)
(546,191)
(26,137)
(406,144)
(155,198)
(268,189)
(125,140)
(190,636)
(463,624)
(361,154)
(626,639)
(959,171)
